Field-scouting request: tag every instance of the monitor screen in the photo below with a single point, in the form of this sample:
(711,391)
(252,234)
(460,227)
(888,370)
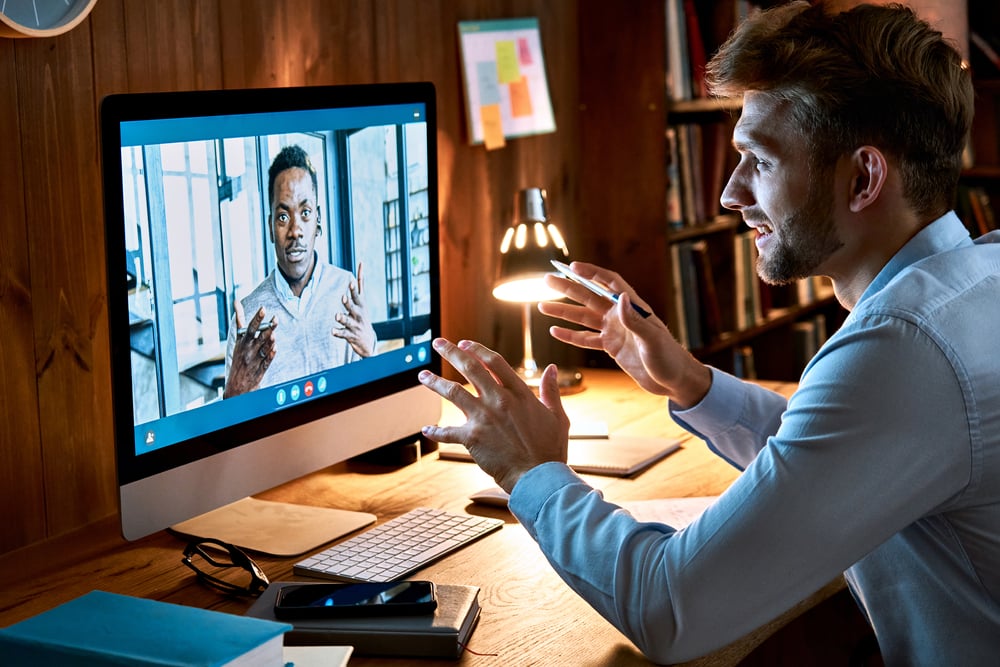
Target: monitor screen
(272,264)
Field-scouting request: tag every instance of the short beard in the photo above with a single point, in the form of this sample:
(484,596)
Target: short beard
(808,238)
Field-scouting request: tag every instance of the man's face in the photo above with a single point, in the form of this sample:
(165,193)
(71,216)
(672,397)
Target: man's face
(294,225)
(788,205)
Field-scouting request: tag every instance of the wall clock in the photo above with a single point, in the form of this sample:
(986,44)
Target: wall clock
(41,18)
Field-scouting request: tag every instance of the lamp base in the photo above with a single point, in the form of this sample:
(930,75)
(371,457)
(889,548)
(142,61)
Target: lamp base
(570,379)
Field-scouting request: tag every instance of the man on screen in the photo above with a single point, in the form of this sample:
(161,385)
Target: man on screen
(317,307)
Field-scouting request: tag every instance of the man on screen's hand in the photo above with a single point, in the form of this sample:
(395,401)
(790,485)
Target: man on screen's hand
(252,353)
(355,325)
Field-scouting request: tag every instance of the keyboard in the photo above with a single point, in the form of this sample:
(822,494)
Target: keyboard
(397,548)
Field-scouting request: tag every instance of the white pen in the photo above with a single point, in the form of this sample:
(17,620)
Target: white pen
(594,286)
(263,326)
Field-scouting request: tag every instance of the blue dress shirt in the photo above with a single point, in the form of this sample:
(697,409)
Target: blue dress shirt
(884,465)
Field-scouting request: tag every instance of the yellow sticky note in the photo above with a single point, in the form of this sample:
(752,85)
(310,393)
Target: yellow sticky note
(489,115)
(508,69)
(520,98)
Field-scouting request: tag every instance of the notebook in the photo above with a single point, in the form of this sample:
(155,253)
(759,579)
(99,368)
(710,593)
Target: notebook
(615,456)
(441,634)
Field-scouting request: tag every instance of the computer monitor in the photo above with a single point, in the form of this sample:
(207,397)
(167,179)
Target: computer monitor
(190,232)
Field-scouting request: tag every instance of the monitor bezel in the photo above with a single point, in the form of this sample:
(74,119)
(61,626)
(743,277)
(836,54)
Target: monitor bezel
(119,108)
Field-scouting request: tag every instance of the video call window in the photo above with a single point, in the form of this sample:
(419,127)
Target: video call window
(184,276)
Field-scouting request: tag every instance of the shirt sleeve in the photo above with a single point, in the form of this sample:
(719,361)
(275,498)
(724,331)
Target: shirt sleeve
(856,456)
(735,418)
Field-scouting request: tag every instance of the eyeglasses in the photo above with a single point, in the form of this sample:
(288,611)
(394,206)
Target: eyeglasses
(223,556)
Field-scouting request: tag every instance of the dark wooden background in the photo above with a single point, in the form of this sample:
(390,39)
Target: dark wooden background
(602,168)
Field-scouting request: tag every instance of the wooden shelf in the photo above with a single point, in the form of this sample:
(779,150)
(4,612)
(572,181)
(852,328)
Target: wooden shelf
(777,317)
(709,105)
(720,223)
(982,173)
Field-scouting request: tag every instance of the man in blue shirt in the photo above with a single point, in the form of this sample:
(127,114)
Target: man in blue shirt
(885,463)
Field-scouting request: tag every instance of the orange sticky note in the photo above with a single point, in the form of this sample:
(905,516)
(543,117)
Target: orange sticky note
(489,116)
(520,98)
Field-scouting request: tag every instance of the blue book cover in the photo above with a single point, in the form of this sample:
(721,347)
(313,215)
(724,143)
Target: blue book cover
(102,628)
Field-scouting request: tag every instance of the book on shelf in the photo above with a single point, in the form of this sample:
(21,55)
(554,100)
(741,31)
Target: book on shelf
(701,306)
(694,31)
(708,298)
(675,209)
(749,311)
(689,295)
(678,69)
(697,57)
(677,301)
(808,336)
(744,365)
(102,628)
(689,174)
(976,210)
(700,160)
(442,634)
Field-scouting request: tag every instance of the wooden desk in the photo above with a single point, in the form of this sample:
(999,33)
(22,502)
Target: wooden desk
(529,616)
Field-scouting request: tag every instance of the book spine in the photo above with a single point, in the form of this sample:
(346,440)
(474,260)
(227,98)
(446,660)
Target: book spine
(675,209)
(680,333)
(711,316)
(687,173)
(692,314)
(678,78)
(696,50)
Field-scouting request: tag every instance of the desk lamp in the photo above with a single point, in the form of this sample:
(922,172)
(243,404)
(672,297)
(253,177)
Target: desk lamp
(526,251)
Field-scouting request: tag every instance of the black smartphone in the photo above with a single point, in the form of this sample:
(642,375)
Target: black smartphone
(333,600)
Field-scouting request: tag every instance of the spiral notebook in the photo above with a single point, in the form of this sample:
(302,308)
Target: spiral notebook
(614,456)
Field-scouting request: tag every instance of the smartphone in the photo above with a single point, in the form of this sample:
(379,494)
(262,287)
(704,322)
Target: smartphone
(339,600)
(594,286)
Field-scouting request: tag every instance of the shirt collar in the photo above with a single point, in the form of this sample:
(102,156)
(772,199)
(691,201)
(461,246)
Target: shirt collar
(945,233)
(285,292)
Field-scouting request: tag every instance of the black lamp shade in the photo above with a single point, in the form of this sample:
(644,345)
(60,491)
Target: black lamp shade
(527,250)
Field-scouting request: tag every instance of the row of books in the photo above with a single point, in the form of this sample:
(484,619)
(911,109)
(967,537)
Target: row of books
(700,160)
(102,628)
(695,29)
(717,293)
(808,335)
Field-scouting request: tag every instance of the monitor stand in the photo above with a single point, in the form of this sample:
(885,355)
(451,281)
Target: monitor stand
(274,528)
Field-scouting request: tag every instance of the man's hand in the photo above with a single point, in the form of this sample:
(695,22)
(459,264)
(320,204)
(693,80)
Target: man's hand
(355,325)
(643,347)
(508,430)
(253,352)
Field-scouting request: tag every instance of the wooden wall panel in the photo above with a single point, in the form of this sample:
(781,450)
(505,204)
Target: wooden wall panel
(171,45)
(65,243)
(623,118)
(56,451)
(296,43)
(21,479)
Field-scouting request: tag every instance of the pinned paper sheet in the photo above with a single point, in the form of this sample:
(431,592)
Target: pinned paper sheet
(506,92)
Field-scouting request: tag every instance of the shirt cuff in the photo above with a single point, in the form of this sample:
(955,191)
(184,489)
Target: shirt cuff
(718,411)
(535,488)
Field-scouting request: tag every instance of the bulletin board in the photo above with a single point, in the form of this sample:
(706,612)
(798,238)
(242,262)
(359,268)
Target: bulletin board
(506,93)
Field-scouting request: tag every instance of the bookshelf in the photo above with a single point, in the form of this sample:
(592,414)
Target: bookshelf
(628,173)
(719,309)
